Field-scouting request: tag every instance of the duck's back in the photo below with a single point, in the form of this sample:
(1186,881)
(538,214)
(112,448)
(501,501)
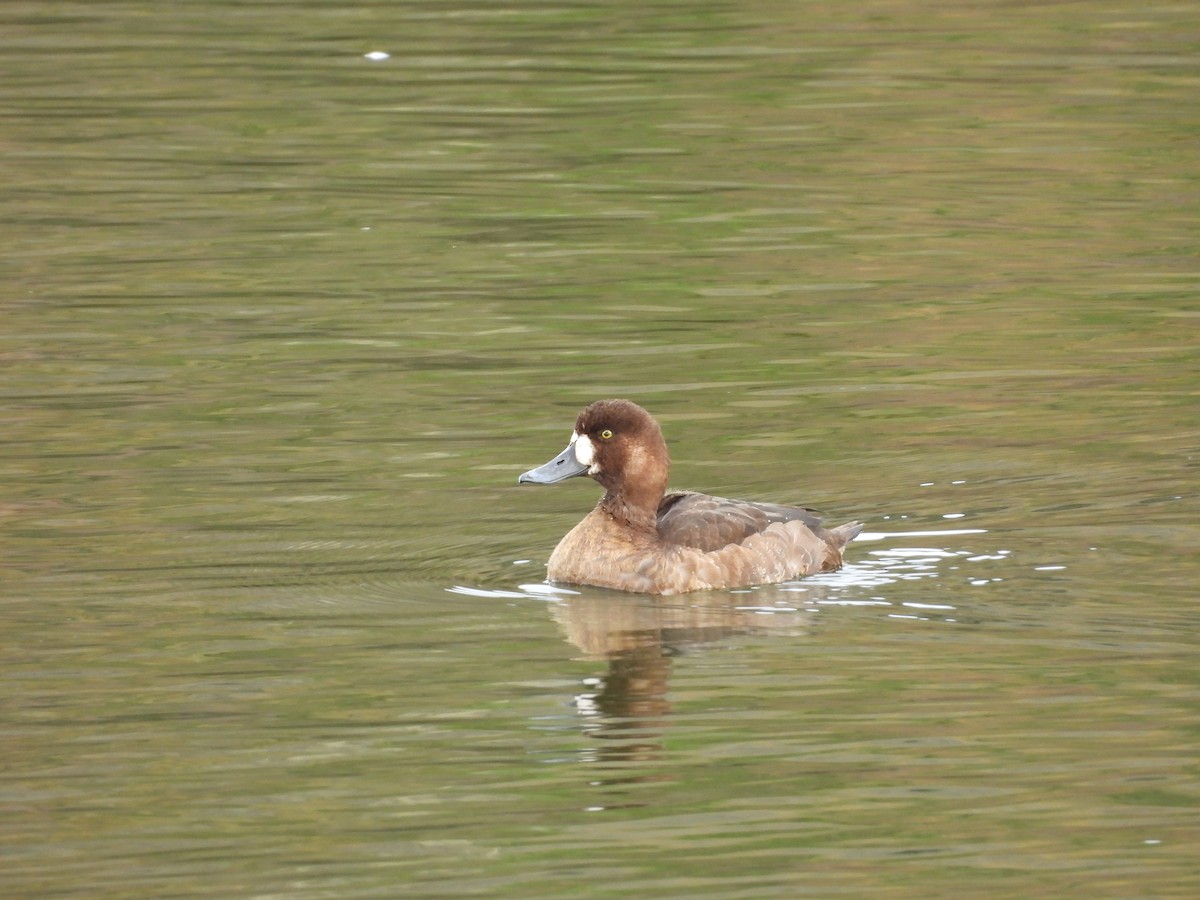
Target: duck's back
(710,523)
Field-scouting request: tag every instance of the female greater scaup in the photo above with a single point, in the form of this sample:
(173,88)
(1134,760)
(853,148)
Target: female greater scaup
(639,538)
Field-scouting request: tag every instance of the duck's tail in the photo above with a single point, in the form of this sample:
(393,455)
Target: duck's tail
(844,534)
(835,540)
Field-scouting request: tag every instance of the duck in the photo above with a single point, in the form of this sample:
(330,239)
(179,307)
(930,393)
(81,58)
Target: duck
(642,538)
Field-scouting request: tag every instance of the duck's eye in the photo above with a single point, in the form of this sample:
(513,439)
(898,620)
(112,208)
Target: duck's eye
(606,434)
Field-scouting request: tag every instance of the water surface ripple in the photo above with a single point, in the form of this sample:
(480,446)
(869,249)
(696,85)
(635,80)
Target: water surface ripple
(294,292)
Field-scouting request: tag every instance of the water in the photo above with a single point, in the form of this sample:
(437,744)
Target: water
(283,323)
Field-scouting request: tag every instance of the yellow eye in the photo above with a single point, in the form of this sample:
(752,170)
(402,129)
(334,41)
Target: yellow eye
(606,434)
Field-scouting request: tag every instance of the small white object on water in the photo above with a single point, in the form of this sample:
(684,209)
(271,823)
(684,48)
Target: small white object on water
(377,56)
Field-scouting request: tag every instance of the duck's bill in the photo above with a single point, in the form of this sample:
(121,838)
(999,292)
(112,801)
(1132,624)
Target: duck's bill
(565,465)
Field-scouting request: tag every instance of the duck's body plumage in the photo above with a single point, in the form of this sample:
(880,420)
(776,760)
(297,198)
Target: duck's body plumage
(710,523)
(639,538)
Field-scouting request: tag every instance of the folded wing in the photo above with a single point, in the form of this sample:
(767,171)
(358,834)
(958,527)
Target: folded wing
(711,523)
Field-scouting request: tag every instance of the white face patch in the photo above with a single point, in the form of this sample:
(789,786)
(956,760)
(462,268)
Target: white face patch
(584,451)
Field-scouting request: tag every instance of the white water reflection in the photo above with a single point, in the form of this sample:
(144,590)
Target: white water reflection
(883,535)
(878,568)
(527,591)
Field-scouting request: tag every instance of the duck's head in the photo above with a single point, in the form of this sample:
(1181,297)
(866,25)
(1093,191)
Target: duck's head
(617,443)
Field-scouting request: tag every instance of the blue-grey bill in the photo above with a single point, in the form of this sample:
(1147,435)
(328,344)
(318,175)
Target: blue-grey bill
(562,467)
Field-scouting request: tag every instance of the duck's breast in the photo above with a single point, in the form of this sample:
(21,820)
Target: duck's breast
(597,551)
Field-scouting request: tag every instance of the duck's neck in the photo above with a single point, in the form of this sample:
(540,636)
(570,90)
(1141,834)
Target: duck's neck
(638,512)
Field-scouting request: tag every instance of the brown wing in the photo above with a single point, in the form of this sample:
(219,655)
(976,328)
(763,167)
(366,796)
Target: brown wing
(710,523)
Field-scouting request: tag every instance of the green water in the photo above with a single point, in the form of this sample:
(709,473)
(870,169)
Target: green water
(283,323)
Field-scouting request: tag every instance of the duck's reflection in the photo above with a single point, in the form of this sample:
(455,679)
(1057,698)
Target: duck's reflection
(627,709)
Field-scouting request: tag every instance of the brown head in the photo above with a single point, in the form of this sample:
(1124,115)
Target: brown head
(620,445)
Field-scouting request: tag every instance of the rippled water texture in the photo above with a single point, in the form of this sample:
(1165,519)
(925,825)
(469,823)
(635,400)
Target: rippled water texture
(292,294)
